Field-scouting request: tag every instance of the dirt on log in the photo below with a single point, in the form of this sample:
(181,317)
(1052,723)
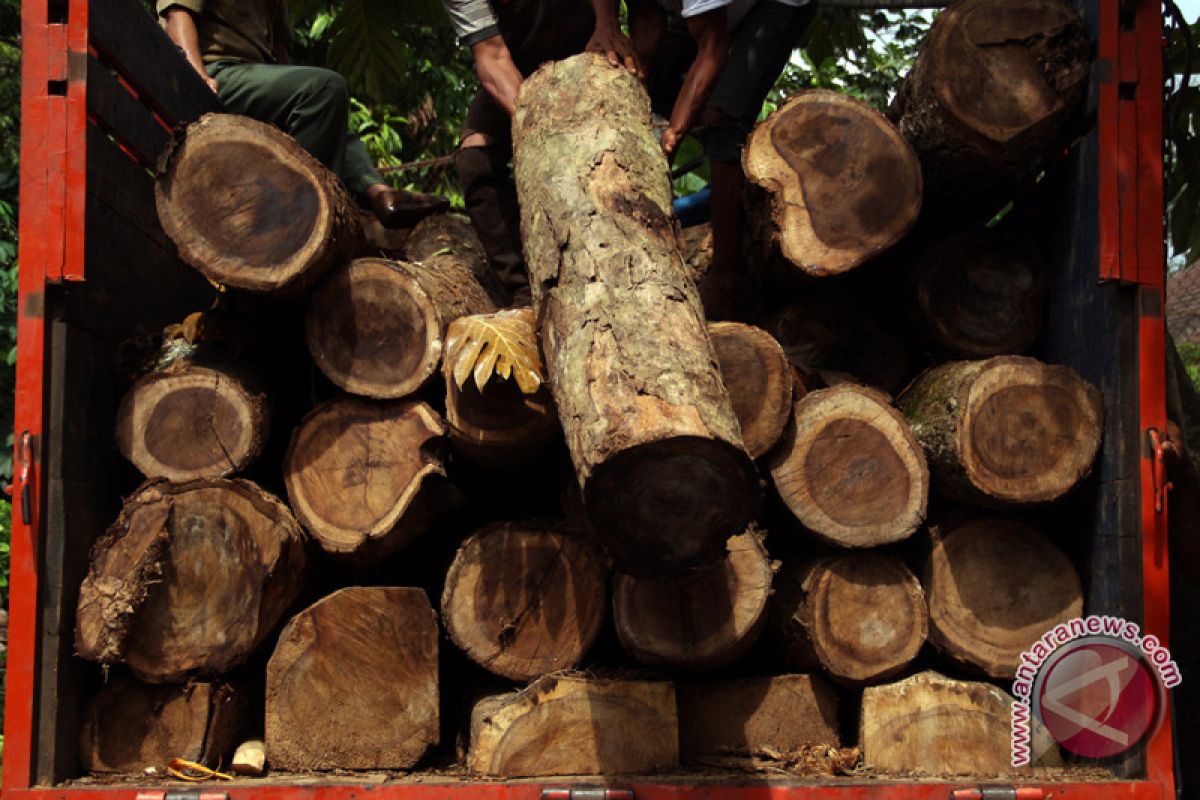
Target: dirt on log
(844,184)
(353,683)
(524,599)
(651,429)
(1006,431)
(276,233)
(190,579)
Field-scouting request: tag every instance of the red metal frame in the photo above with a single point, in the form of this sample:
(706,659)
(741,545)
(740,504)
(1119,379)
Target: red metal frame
(53,174)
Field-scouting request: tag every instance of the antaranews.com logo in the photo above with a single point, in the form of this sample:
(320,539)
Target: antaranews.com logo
(1097,686)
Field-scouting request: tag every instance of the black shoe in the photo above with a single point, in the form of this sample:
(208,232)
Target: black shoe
(399,209)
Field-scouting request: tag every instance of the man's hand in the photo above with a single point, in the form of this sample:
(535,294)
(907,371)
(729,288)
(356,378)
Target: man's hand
(609,41)
(212,82)
(671,138)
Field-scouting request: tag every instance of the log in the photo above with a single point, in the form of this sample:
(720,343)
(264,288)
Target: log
(850,470)
(650,428)
(452,238)
(759,380)
(499,424)
(861,616)
(190,579)
(1006,431)
(523,599)
(980,294)
(277,232)
(565,725)
(250,758)
(756,716)
(844,184)
(353,683)
(197,417)
(377,328)
(823,333)
(992,90)
(699,622)
(367,478)
(129,726)
(936,726)
(995,587)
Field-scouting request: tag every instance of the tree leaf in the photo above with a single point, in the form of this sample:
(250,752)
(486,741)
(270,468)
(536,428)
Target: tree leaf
(504,344)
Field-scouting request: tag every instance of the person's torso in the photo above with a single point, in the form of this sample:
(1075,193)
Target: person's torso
(238,30)
(537,31)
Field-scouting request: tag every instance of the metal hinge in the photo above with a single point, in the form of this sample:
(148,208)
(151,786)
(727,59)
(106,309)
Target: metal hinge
(587,793)
(184,794)
(999,793)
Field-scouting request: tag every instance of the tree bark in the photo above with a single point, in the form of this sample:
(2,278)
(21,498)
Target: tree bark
(378,328)
(994,88)
(562,725)
(861,617)
(277,232)
(190,579)
(451,238)
(995,587)
(756,716)
(980,294)
(936,726)
(1006,431)
(759,379)
(525,599)
(367,478)
(704,621)
(844,184)
(129,726)
(196,417)
(850,470)
(826,334)
(650,428)
(353,683)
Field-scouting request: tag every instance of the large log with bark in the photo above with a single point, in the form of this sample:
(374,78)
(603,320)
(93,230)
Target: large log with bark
(190,579)
(862,617)
(702,621)
(196,416)
(367,478)
(129,726)
(995,587)
(565,725)
(993,89)
(932,725)
(756,716)
(650,427)
(249,208)
(844,185)
(353,683)
(850,469)
(1006,431)
(378,328)
(759,379)
(980,294)
(524,599)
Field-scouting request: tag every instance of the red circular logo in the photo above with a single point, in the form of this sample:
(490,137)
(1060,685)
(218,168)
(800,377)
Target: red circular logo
(1098,699)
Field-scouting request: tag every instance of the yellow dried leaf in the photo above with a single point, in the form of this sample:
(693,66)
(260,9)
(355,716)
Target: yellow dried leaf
(503,344)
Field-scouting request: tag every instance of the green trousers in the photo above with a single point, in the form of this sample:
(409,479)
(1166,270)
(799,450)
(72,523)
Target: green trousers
(310,103)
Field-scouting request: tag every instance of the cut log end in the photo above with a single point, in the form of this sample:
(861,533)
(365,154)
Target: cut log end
(634,500)
(277,232)
(845,183)
(364,477)
(850,470)
(704,621)
(995,587)
(759,378)
(353,683)
(193,422)
(525,599)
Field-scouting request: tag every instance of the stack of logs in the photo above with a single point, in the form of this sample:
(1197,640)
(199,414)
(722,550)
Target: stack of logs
(238,615)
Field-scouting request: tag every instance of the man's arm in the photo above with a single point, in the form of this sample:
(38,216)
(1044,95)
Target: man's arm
(711,34)
(497,72)
(181,29)
(610,41)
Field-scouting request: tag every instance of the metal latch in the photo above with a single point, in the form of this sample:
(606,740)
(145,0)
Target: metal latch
(184,794)
(1158,470)
(999,793)
(25,461)
(586,793)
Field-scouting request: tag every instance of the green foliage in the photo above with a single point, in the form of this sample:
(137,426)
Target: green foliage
(1189,354)
(1183,146)
(10,123)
